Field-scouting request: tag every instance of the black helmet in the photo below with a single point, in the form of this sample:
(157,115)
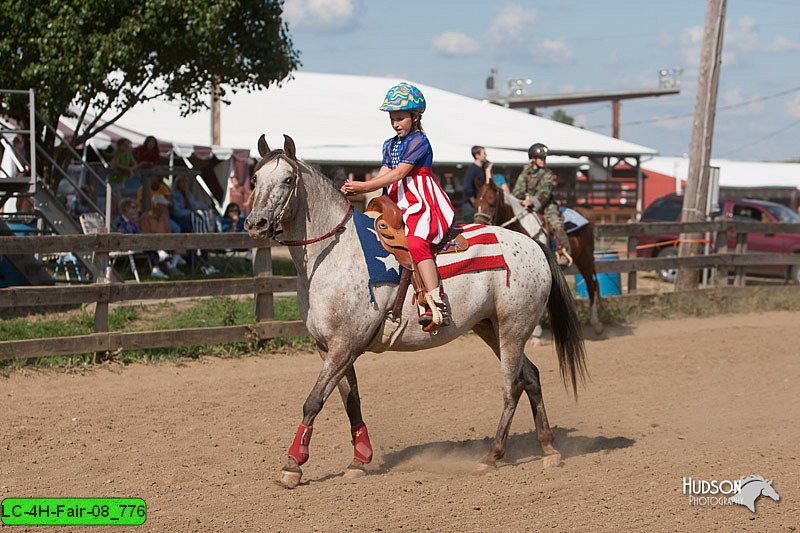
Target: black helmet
(537,150)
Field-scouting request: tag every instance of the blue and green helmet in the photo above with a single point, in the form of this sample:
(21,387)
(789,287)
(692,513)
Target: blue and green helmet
(404,97)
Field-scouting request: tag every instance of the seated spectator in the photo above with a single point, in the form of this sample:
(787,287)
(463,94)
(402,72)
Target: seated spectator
(147,154)
(232,220)
(157,186)
(122,167)
(183,204)
(156,220)
(81,203)
(126,222)
(237,194)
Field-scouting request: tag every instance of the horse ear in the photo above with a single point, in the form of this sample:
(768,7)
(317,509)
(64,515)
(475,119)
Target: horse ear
(263,147)
(289,148)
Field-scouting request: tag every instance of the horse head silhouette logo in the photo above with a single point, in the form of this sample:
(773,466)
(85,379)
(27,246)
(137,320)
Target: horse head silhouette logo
(752,488)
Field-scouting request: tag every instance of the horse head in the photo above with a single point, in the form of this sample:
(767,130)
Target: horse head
(275,180)
(488,204)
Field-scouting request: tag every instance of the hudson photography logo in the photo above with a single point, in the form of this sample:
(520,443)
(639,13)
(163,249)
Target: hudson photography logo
(743,491)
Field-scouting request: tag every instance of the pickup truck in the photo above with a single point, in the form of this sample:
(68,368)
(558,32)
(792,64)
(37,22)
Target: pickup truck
(668,209)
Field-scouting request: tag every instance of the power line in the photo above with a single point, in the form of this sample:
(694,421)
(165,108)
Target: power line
(762,139)
(720,108)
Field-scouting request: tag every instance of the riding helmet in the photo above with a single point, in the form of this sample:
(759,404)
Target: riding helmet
(404,97)
(537,150)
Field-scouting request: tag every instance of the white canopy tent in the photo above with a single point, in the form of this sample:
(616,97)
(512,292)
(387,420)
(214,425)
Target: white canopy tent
(334,119)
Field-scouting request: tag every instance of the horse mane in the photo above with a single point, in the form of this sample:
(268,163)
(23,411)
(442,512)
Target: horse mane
(273,154)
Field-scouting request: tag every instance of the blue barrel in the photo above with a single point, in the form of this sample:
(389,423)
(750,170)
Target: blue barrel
(610,282)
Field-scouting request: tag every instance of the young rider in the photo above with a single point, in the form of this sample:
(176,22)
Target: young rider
(535,187)
(406,171)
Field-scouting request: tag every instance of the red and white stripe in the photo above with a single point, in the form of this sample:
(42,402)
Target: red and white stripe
(427,211)
(484,253)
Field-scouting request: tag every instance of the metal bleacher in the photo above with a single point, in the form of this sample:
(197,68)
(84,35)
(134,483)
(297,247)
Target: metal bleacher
(21,184)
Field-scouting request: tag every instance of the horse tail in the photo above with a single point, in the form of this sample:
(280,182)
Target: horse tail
(566,328)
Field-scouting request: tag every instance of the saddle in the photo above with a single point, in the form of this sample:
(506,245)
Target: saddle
(390,228)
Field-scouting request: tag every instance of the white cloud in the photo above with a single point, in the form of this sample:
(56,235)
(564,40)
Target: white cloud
(331,15)
(742,34)
(782,44)
(511,25)
(793,106)
(693,35)
(734,97)
(455,44)
(552,52)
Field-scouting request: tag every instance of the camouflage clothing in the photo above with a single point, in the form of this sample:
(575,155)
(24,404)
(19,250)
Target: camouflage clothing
(538,182)
(535,182)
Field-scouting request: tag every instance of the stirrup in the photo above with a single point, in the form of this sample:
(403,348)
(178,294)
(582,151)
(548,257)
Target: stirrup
(436,313)
(563,255)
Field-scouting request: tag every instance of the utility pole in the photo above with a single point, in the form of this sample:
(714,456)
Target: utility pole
(696,193)
(215,108)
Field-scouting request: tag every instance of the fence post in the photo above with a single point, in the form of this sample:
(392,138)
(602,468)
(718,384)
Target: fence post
(101,308)
(722,248)
(632,252)
(741,247)
(262,268)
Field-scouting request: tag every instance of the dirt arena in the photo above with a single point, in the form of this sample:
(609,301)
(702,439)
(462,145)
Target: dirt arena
(203,442)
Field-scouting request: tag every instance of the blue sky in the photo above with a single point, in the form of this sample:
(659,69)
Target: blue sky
(574,45)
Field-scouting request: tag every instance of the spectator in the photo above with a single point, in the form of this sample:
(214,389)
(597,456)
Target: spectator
(156,220)
(183,204)
(237,194)
(157,187)
(122,166)
(81,203)
(232,220)
(147,154)
(126,222)
(475,172)
(501,182)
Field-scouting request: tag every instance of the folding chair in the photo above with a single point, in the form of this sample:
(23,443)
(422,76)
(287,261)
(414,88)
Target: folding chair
(204,222)
(92,223)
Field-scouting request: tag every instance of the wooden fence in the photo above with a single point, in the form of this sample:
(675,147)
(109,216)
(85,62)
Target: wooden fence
(263,284)
(723,258)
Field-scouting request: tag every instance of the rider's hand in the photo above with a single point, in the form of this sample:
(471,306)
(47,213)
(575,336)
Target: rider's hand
(526,202)
(351,187)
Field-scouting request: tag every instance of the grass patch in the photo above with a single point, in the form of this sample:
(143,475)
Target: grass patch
(203,313)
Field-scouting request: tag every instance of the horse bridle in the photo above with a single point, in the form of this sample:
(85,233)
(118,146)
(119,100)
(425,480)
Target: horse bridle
(489,220)
(279,217)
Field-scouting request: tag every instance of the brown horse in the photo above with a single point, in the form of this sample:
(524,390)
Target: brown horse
(495,207)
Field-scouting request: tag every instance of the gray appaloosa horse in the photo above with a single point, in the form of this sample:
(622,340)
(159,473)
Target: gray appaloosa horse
(494,206)
(332,290)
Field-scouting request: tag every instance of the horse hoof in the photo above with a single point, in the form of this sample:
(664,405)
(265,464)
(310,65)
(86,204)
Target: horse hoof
(552,460)
(486,465)
(354,473)
(598,328)
(291,479)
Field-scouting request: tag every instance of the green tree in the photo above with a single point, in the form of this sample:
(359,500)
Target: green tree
(559,115)
(91,58)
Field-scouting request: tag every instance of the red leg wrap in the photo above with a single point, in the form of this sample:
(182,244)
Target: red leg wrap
(362,448)
(299,448)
